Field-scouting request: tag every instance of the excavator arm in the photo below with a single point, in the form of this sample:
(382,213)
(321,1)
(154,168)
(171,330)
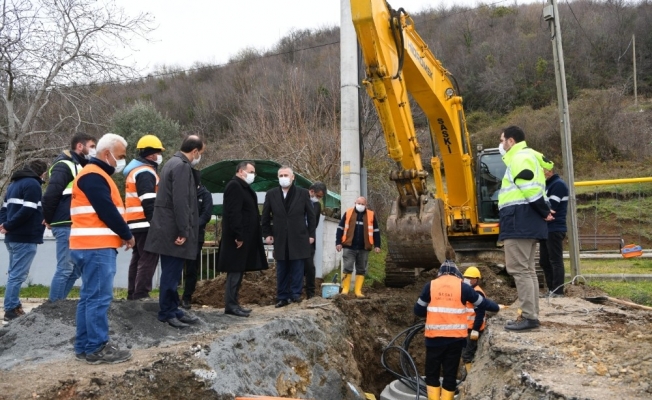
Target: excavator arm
(398,62)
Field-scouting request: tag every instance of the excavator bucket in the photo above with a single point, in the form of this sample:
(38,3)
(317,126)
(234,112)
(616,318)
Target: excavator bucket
(417,240)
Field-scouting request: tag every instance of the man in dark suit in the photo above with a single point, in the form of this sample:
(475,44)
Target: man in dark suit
(317,191)
(289,209)
(241,246)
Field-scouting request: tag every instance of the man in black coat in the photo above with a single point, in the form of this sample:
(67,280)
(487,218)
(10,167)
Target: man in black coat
(241,247)
(317,192)
(292,233)
(174,227)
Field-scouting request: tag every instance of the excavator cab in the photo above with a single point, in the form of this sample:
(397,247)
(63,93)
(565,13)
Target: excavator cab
(489,175)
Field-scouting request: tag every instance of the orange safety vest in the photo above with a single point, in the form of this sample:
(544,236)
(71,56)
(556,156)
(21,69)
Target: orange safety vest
(470,311)
(370,225)
(134,213)
(88,231)
(446,315)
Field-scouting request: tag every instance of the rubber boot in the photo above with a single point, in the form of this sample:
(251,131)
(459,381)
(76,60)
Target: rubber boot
(346,283)
(359,281)
(468,367)
(446,395)
(434,392)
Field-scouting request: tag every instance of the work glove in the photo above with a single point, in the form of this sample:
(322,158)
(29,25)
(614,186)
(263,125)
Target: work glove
(474,335)
(502,307)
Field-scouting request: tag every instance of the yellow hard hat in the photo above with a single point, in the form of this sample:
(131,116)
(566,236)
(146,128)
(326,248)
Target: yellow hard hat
(472,272)
(150,141)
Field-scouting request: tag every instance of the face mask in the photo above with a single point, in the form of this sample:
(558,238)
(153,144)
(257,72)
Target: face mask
(359,207)
(284,181)
(91,153)
(119,164)
(501,149)
(467,281)
(159,159)
(250,178)
(195,161)
(314,199)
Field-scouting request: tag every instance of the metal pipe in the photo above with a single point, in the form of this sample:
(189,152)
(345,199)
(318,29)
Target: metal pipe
(613,181)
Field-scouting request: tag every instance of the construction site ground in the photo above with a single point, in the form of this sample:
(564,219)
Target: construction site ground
(314,349)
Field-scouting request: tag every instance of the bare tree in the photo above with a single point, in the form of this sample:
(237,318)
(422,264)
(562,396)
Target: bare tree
(50,49)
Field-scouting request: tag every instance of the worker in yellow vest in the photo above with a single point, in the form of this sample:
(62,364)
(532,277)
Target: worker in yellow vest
(357,234)
(98,230)
(141,185)
(475,318)
(443,302)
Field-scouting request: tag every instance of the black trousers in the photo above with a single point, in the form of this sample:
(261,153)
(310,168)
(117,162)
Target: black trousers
(445,359)
(309,272)
(551,259)
(141,269)
(190,275)
(468,354)
(231,290)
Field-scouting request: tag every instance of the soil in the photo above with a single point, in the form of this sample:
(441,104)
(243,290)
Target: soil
(314,349)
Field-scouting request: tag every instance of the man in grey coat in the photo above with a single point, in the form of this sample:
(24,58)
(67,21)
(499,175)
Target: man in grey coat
(289,209)
(174,227)
(241,247)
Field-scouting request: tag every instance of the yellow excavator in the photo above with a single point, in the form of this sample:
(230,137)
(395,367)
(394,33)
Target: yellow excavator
(461,216)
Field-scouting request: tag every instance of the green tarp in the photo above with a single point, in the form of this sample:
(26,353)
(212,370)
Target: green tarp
(216,176)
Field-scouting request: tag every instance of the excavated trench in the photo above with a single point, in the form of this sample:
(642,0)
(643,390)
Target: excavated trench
(325,349)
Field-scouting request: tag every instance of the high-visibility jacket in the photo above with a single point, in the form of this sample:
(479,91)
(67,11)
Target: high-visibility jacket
(88,231)
(470,311)
(519,158)
(350,229)
(134,213)
(446,316)
(67,191)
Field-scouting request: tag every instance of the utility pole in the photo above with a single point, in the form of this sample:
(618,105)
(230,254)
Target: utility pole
(634,61)
(551,14)
(349,119)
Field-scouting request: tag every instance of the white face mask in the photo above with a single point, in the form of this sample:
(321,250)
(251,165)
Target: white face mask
(467,281)
(501,149)
(314,199)
(159,159)
(250,178)
(91,153)
(359,208)
(284,181)
(119,164)
(195,161)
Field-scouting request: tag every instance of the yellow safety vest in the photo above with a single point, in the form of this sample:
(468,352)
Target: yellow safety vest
(517,159)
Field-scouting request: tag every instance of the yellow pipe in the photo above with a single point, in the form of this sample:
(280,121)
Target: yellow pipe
(613,182)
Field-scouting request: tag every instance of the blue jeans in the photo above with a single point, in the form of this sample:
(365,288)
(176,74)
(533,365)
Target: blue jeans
(21,256)
(97,272)
(168,298)
(67,272)
(289,279)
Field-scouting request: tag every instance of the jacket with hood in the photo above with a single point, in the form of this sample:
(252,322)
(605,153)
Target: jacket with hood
(22,214)
(56,204)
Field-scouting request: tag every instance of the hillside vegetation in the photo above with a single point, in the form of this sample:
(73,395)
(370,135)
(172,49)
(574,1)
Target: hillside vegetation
(284,103)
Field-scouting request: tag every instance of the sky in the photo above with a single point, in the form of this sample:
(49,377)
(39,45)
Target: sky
(212,31)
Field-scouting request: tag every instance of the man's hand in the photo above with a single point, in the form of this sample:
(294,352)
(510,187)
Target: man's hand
(46,225)
(129,244)
(269,240)
(3,230)
(502,307)
(377,249)
(238,243)
(338,248)
(474,335)
(180,241)
(549,217)
(312,240)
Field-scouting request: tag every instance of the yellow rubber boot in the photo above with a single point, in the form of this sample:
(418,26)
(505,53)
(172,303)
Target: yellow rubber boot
(446,395)
(359,281)
(434,392)
(468,367)
(346,283)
